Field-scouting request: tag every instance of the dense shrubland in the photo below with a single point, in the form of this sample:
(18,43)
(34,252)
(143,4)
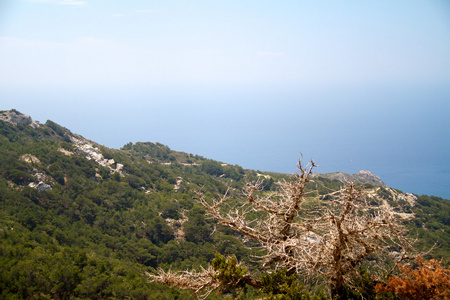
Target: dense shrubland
(96,232)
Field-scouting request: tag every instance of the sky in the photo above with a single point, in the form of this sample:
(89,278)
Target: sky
(351,84)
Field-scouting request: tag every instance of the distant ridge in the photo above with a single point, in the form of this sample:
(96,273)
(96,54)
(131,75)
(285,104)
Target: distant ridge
(15,117)
(360,177)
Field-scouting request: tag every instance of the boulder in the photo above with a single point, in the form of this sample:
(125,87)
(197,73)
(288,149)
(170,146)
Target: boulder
(40,186)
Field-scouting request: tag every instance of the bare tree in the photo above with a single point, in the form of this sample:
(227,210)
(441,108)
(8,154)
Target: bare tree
(304,234)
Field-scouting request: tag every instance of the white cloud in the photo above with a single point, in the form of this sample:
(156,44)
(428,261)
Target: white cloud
(270,53)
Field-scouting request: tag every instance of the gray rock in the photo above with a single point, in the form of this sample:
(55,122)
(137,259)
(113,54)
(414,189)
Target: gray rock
(14,117)
(40,186)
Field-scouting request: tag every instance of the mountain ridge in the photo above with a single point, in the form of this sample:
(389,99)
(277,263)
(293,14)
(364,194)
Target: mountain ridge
(92,151)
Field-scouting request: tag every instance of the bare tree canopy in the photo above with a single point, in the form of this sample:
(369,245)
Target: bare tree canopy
(324,237)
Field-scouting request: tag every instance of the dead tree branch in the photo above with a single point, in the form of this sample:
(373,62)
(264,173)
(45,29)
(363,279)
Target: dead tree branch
(330,238)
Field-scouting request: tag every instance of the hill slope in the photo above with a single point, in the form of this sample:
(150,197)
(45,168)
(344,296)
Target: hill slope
(78,219)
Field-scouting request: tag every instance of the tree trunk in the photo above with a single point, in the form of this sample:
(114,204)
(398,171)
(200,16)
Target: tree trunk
(337,287)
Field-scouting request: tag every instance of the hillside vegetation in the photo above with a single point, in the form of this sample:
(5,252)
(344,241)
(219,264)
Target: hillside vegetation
(79,220)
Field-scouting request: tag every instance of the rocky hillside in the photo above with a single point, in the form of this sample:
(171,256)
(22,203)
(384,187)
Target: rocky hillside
(81,220)
(154,152)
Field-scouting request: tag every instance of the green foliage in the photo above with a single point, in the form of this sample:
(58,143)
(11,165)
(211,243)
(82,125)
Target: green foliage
(197,229)
(116,220)
(432,224)
(323,185)
(212,167)
(97,232)
(230,272)
(234,172)
(58,129)
(280,286)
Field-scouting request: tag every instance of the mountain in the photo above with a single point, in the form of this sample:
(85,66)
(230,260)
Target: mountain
(81,220)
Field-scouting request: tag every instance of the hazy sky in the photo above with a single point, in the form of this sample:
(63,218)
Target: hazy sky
(218,43)
(353,84)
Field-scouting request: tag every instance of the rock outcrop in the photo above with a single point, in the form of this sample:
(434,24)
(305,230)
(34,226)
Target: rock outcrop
(177,186)
(14,117)
(360,177)
(91,152)
(31,159)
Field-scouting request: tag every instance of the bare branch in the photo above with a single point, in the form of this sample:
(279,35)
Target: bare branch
(202,283)
(329,239)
